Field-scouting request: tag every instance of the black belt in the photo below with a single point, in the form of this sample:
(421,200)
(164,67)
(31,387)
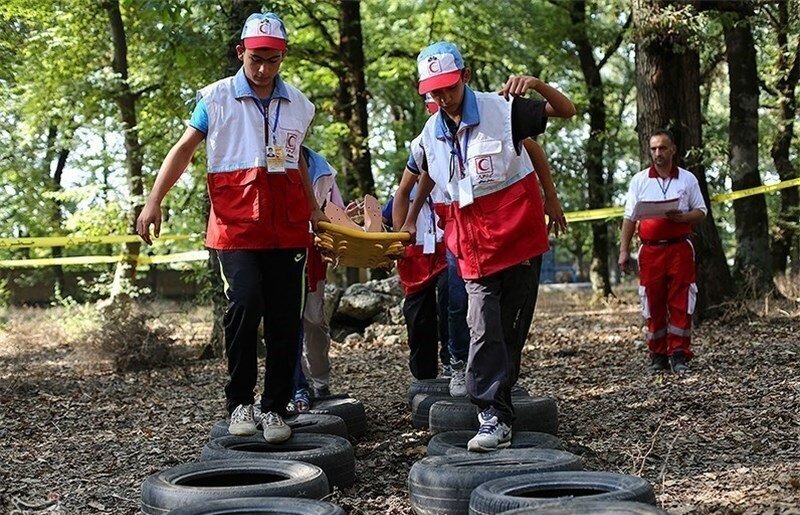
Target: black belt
(664,243)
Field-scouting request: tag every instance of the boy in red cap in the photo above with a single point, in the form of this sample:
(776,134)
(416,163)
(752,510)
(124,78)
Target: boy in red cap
(254,125)
(473,150)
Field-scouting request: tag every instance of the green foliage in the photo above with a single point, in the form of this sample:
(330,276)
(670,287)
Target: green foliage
(57,90)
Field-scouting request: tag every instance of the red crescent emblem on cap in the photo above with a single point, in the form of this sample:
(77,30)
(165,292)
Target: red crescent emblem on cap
(263,27)
(435,66)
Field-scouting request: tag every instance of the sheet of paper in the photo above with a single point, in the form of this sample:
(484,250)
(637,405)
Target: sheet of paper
(645,209)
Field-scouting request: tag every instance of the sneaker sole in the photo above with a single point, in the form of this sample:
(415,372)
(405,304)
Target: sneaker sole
(242,429)
(278,438)
(479,448)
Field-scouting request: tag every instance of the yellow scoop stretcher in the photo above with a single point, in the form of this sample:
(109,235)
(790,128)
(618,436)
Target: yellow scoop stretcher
(350,247)
(345,243)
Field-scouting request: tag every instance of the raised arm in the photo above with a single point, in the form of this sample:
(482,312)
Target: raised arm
(558,104)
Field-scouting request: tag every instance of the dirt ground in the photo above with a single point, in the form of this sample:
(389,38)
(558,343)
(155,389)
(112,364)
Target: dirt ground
(77,438)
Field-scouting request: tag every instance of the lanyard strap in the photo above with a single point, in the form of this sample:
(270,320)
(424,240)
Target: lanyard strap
(455,146)
(433,215)
(265,112)
(664,189)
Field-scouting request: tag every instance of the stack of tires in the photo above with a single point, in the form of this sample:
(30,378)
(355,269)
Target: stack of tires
(238,474)
(532,476)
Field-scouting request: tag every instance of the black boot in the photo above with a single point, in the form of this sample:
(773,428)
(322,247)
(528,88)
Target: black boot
(658,363)
(678,362)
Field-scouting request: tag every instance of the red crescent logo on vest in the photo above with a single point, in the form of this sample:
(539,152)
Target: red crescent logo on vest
(292,138)
(483,164)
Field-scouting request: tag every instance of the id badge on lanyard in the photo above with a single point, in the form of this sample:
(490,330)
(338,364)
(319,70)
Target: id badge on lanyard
(429,238)
(276,155)
(465,195)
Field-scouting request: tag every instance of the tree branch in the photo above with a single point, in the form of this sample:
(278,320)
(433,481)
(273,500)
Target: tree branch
(617,42)
(148,89)
(766,87)
(320,26)
(715,61)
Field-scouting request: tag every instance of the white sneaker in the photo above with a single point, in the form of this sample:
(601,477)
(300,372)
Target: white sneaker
(243,423)
(458,381)
(275,429)
(492,435)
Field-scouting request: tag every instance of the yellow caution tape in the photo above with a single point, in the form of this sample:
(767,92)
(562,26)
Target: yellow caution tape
(594,214)
(200,255)
(67,241)
(735,195)
(178,257)
(613,212)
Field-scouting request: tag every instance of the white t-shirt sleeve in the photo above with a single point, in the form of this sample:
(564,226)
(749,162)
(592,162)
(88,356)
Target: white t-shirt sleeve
(631,197)
(695,196)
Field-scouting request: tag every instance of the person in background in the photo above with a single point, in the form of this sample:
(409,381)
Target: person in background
(423,275)
(314,363)
(667,287)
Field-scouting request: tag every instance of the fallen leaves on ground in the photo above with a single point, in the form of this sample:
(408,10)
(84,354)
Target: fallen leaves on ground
(78,438)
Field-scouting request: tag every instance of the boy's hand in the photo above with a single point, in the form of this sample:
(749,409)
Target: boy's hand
(557,222)
(318,216)
(150,215)
(410,228)
(518,85)
(676,216)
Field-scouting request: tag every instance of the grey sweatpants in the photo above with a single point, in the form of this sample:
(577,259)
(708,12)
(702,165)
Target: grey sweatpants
(499,315)
(316,339)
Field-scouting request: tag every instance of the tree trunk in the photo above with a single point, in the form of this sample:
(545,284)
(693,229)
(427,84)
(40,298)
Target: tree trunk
(668,96)
(789,71)
(595,146)
(58,173)
(125,98)
(55,221)
(752,265)
(353,96)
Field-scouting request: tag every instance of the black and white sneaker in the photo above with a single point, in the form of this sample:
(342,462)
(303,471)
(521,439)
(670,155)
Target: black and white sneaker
(275,429)
(491,436)
(243,422)
(458,381)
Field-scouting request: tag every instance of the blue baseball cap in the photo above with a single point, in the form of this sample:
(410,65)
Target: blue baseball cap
(264,31)
(439,66)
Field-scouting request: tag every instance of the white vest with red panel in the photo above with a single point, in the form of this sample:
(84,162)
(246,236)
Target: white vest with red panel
(505,225)
(250,207)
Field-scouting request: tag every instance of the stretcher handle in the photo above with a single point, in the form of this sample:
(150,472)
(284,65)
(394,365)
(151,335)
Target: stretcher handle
(377,236)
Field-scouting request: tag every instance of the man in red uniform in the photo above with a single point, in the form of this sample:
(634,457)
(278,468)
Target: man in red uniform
(666,258)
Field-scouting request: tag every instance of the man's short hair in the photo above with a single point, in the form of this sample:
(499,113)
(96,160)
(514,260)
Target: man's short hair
(664,132)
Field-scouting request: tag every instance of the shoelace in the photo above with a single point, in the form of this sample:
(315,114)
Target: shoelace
(487,429)
(240,414)
(273,419)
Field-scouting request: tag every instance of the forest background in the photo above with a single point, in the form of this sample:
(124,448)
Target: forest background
(95,93)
